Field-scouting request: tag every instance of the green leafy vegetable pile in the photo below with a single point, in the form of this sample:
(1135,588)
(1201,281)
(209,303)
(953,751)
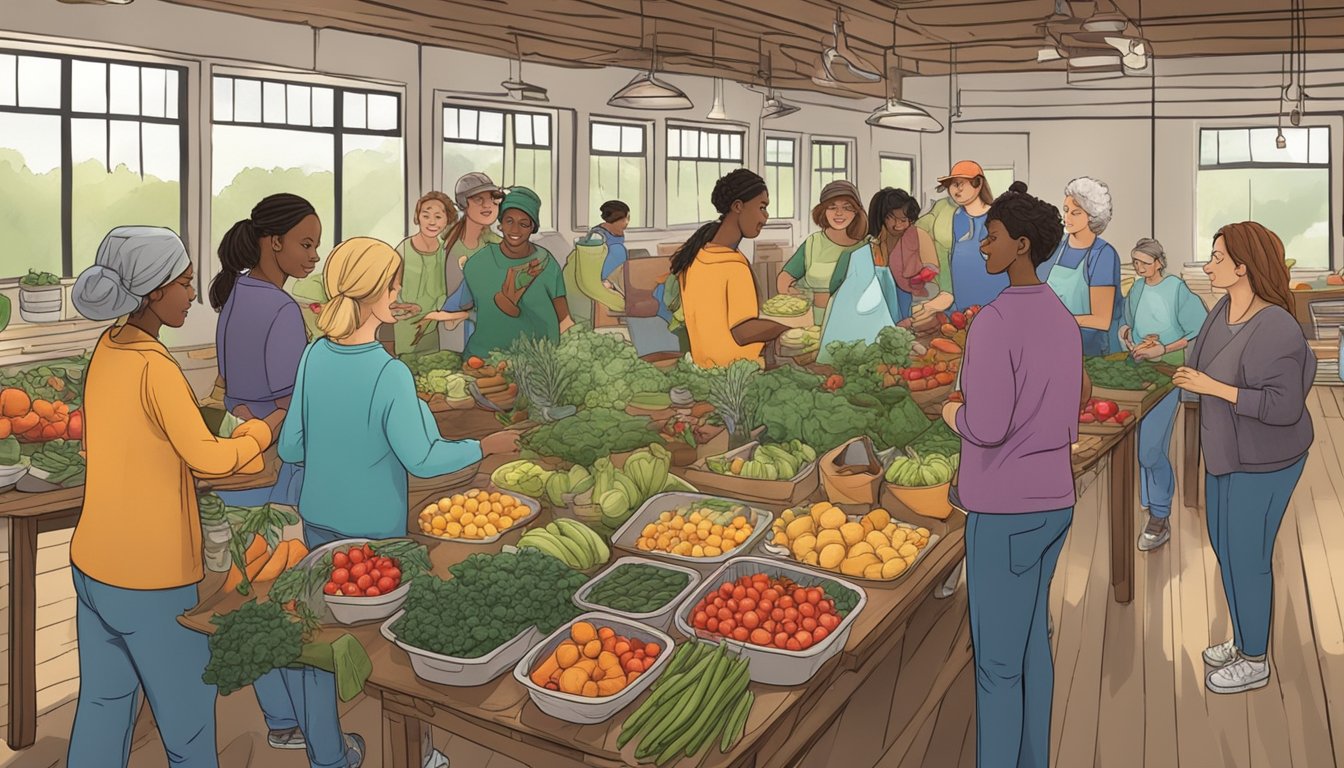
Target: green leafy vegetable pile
(422,363)
(1120,374)
(35,279)
(589,434)
(602,370)
(937,440)
(58,380)
(61,461)
(489,601)
(792,406)
(638,588)
(249,642)
(857,361)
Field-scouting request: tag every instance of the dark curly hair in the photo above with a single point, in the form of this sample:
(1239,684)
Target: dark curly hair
(741,184)
(1024,215)
(886,202)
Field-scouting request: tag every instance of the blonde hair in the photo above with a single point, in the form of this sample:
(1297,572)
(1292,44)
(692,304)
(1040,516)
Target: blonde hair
(358,270)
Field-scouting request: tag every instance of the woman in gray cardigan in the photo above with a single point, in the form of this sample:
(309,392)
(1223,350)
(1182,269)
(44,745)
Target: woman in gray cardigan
(1251,369)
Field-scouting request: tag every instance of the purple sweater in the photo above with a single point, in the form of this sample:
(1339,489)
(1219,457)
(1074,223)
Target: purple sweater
(1021,379)
(259,340)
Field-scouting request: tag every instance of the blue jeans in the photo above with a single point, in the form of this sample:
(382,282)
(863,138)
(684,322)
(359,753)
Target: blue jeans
(1245,510)
(1157,479)
(129,640)
(1010,560)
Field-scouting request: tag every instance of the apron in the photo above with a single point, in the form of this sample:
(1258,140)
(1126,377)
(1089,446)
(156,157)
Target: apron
(1155,313)
(867,302)
(971,284)
(819,264)
(1073,290)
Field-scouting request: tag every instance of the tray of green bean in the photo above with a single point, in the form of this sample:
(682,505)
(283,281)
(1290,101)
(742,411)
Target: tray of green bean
(645,590)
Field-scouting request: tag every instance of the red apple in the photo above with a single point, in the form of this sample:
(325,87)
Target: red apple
(1106,409)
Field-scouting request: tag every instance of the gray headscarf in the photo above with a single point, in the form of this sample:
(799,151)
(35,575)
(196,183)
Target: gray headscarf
(132,262)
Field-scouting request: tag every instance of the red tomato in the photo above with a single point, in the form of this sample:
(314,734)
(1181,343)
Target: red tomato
(808,624)
(746,604)
(785,602)
(829,621)
(375,574)
(393,573)
(625,659)
(719,602)
(790,627)
(765,606)
(386,585)
(814,595)
(807,610)
(726,591)
(791,614)
(358,569)
(1122,417)
(819,634)
(699,620)
(332,588)
(741,634)
(770,594)
(652,650)
(356,556)
(777,614)
(635,665)
(751,620)
(792,645)
(340,576)
(364,582)
(372,592)
(731,605)
(726,627)
(1086,418)
(349,589)
(781,639)
(1105,409)
(760,637)
(340,560)
(804,638)
(769,626)
(799,596)
(712,625)
(753,593)
(724,614)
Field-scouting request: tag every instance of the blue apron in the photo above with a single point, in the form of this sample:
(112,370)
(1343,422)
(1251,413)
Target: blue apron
(972,285)
(1154,310)
(868,301)
(1073,290)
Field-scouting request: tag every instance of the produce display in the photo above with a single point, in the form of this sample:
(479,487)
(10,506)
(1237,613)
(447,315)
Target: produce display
(1123,374)
(255,542)
(558,484)
(35,420)
(637,588)
(597,370)
(453,386)
(793,406)
(922,471)
(489,601)
(872,547)
(702,695)
(523,477)
(35,279)
(11,453)
(693,426)
(263,563)
(308,583)
(422,363)
(958,323)
(61,461)
(857,361)
(769,611)
(590,434)
(617,493)
(797,342)
(595,662)
(704,529)
(784,305)
(921,375)
(249,642)
(358,572)
(766,462)
(1103,412)
(651,401)
(476,514)
(937,439)
(569,541)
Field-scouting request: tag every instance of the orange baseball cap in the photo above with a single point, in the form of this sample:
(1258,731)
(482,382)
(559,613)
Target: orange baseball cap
(964,169)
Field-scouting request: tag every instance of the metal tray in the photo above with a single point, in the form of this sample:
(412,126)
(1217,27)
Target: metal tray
(628,534)
(527,501)
(453,670)
(784,553)
(659,619)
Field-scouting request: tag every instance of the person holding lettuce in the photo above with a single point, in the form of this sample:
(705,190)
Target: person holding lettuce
(594,261)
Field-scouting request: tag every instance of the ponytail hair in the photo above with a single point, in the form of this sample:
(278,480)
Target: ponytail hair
(742,185)
(240,250)
(357,271)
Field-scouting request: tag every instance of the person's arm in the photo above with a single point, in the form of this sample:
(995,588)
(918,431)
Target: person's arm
(412,431)
(284,345)
(1190,313)
(461,300)
(793,271)
(988,383)
(170,403)
(292,445)
(1103,280)
(744,320)
(1273,370)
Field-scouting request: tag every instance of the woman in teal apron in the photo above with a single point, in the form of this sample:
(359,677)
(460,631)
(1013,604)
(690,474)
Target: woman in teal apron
(843,225)
(1085,269)
(1161,317)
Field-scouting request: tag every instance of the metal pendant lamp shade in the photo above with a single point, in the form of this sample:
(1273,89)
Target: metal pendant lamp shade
(518,88)
(717,112)
(776,107)
(842,63)
(646,91)
(898,114)
(1105,18)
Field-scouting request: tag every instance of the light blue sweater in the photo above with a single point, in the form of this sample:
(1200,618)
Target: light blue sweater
(358,428)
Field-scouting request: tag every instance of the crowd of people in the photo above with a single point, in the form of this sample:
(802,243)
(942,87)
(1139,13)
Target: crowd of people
(350,426)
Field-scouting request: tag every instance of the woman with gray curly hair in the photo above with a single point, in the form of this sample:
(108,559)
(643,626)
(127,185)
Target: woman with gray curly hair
(1084,270)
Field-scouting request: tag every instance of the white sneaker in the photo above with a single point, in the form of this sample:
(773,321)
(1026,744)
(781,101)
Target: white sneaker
(1220,655)
(436,759)
(1241,675)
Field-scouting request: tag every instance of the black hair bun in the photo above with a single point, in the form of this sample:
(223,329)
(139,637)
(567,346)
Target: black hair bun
(1020,187)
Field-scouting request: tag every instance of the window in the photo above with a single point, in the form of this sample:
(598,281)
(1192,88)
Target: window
(618,169)
(1244,176)
(696,159)
(339,148)
(999,180)
(513,148)
(781,170)
(86,145)
(898,173)
(830,162)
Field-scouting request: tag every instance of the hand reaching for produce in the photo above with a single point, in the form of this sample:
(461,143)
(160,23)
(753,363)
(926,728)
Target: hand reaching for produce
(1149,350)
(1126,336)
(403,311)
(502,442)
(450,320)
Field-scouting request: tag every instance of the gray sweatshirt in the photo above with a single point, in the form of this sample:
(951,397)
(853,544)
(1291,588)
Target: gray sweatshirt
(1270,364)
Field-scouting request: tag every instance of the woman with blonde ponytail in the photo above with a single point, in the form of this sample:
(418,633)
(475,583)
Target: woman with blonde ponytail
(358,427)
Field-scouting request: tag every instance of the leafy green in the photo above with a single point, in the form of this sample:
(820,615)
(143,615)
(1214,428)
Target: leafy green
(35,279)
(1121,374)
(422,363)
(584,437)
(856,361)
(938,439)
(792,406)
(249,642)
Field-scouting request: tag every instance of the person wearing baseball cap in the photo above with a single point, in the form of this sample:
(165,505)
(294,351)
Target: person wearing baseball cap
(477,197)
(958,225)
(843,225)
(522,280)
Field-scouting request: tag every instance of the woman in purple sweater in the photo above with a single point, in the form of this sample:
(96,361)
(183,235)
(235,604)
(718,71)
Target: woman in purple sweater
(1021,381)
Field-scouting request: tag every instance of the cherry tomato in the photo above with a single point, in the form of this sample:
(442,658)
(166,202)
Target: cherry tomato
(753,593)
(799,596)
(372,592)
(769,626)
(819,634)
(765,606)
(732,605)
(625,659)
(350,589)
(792,645)
(760,637)
(741,634)
(791,614)
(751,620)
(739,592)
(331,588)
(356,556)
(747,604)
(340,576)
(699,620)
(726,627)
(358,569)
(393,573)
(809,624)
(804,638)
(724,614)
(777,614)
(829,621)
(340,560)
(712,625)
(386,585)
(652,650)
(635,665)
(790,628)
(785,602)
(770,594)
(364,582)
(781,639)
(726,591)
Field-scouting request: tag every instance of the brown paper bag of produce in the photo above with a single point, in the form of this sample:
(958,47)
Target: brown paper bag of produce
(851,473)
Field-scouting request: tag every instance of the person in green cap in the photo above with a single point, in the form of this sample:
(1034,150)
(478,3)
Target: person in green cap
(522,280)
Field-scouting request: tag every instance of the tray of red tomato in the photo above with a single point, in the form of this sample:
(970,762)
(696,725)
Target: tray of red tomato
(1103,417)
(789,621)
(363,586)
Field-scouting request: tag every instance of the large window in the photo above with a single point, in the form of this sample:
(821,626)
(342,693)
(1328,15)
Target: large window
(1244,176)
(781,172)
(830,162)
(512,148)
(999,180)
(340,148)
(696,159)
(618,169)
(898,173)
(85,145)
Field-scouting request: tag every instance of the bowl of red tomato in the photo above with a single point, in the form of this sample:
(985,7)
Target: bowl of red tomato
(363,586)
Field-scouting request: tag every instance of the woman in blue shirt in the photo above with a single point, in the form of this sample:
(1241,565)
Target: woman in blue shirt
(1085,269)
(615,219)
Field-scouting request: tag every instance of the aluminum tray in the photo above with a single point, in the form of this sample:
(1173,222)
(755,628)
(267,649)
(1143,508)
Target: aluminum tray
(464,673)
(317,597)
(582,709)
(527,501)
(785,554)
(628,534)
(659,619)
(772,666)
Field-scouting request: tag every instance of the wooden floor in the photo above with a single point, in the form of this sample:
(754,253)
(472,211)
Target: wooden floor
(1129,679)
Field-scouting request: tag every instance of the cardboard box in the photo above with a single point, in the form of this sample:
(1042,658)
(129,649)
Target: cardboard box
(789,492)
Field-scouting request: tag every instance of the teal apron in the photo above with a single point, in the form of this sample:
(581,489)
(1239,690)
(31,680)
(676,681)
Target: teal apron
(868,301)
(1155,313)
(1072,288)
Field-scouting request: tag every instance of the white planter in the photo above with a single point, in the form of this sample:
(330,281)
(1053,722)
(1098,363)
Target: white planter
(216,547)
(42,304)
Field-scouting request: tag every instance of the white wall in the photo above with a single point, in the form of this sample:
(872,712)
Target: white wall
(212,39)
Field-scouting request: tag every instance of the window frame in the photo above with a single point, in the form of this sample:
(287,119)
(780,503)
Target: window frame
(797,139)
(817,140)
(673,155)
(67,114)
(914,165)
(649,155)
(446,100)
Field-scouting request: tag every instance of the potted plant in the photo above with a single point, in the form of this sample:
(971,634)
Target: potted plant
(40,297)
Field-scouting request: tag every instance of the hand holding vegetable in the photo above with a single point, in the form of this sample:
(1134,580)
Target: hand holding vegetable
(503,442)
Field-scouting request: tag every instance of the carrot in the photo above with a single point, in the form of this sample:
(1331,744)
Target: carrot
(946,346)
(919,385)
(277,564)
(235,578)
(297,551)
(257,549)
(945,378)
(491,382)
(254,568)
(948,329)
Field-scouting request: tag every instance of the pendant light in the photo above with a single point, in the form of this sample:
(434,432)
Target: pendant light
(774,106)
(716,111)
(645,90)
(1106,18)
(897,114)
(518,88)
(842,63)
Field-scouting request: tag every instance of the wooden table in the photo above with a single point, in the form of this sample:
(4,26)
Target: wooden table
(1191,479)
(30,515)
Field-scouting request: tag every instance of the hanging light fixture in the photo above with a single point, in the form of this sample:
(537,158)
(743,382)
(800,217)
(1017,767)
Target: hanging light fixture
(898,114)
(842,63)
(774,106)
(716,111)
(646,91)
(1106,18)
(518,88)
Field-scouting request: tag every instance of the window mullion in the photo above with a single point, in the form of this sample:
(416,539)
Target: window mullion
(67,171)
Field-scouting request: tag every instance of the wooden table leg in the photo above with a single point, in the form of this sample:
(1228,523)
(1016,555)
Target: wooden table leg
(1123,503)
(22,632)
(1190,455)
(403,735)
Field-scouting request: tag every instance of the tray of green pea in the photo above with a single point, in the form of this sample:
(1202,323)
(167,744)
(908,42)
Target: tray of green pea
(644,590)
